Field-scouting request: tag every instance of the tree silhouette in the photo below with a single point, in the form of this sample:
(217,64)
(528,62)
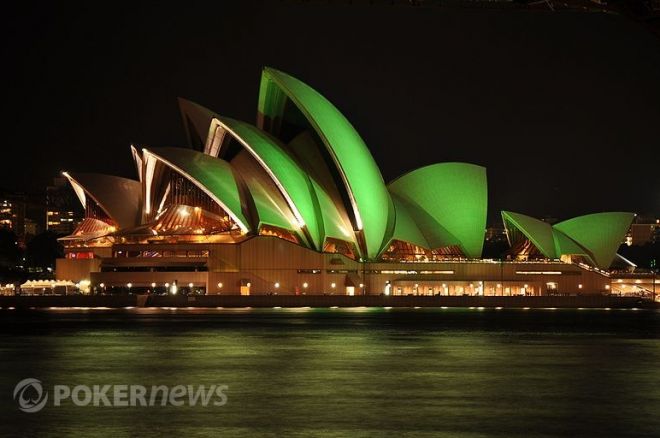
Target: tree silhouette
(43,249)
(9,250)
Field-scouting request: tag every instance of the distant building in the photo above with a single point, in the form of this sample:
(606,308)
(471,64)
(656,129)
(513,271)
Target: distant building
(495,234)
(63,213)
(9,217)
(12,214)
(641,234)
(31,227)
(644,230)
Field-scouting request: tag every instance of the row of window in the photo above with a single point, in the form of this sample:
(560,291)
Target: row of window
(154,269)
(148,254)
(328,271)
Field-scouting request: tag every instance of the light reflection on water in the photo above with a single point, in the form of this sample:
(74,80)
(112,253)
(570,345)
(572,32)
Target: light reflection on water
(344,372)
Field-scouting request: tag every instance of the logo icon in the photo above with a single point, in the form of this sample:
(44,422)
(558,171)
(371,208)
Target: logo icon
(30,395)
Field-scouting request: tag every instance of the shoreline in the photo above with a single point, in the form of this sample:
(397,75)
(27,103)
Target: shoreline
(321,301)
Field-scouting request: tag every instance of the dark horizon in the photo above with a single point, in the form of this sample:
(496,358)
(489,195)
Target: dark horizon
(421,85)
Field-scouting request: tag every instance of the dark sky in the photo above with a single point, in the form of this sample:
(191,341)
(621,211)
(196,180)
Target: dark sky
(562,108)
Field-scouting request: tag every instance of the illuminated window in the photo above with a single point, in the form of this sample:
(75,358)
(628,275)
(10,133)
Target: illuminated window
(269,230)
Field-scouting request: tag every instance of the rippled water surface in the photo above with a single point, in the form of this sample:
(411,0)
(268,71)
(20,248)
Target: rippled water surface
(343,372)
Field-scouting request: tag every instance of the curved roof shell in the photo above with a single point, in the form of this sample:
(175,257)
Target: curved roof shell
(595,236)
(288,176)
(212,175)
(265,203)
(565,245)
(536,231)
(137,159)
(363,182)
(120,198)
(197,123)
(449,202)
(406,227)
(600,233)
(335,217)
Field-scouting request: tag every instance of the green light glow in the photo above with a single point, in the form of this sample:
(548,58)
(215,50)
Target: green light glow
(285,171)
(451,200)
(565,245)
(371,203)
(210,174)
(600,233)
(333,224)
(406,229)
(538,232)
(594,236)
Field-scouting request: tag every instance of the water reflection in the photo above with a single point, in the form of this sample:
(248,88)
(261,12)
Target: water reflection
(338,372)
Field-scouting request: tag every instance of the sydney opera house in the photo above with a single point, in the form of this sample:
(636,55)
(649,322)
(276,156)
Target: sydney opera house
(295,204)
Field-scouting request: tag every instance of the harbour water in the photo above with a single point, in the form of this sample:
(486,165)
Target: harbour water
(342,372)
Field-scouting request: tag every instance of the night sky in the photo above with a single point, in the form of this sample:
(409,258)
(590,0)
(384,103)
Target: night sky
(562,108)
